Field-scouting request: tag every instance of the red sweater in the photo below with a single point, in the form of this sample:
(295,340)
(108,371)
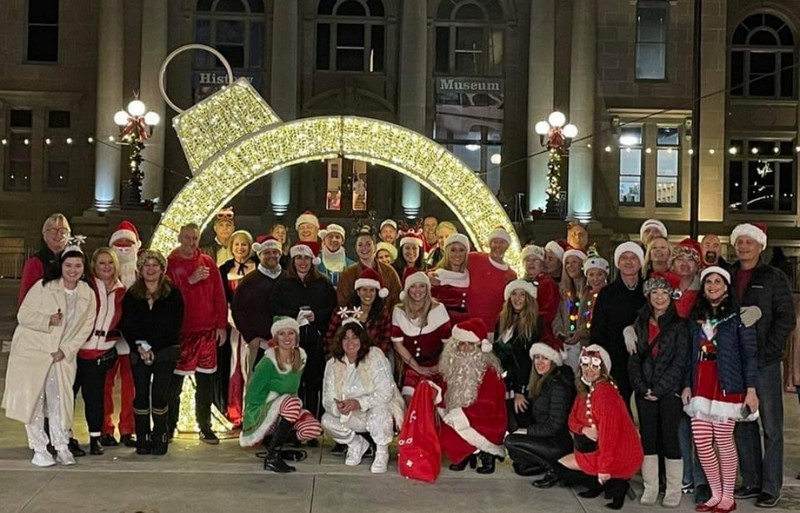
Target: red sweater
(205,307)
(487,283)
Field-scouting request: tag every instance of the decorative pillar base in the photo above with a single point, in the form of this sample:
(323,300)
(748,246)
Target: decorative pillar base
(280,210)
(105,205)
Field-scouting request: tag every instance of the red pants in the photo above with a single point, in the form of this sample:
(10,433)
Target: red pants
(126,426)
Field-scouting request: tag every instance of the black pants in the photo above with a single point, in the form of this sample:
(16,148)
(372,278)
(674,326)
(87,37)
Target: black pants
(311,381)
(90,379)
(202,400)
(623,385)
(153,386)
(530,451)
(223,375)
(659,422)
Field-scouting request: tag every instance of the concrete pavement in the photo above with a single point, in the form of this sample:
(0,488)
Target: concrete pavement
(225,478)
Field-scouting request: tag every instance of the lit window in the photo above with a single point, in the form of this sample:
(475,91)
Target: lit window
(761,176)
(667,166)
(651,39)
(630,166)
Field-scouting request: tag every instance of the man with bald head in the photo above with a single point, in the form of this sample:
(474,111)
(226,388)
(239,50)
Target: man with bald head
(712,252)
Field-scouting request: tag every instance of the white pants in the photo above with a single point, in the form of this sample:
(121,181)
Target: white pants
(48,405)
(375,421)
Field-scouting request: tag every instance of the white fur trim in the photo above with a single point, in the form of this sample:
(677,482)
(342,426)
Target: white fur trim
(332,228)
(390,222)
(548,352)
(257,435)
(716,411)
(417,277)
(306,218)
(596,262)
(453,278)
(124,235)
(499,233)
(533,251)
(286,323)
(436,318)
(410,240)
(457,420)
(554,248)
(595,348)
(366,282)
(573,252)
(715,270)
(486,346)
(464,336)
(457,238)
(626,247)
(749,230)
(652,223)
(268,244)
(519,284)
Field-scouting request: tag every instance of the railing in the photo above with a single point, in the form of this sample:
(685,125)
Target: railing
(13,254)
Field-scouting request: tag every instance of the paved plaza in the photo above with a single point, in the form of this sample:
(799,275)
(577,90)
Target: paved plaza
(194,477)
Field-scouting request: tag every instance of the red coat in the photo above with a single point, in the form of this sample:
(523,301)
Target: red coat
(452,293)
(479,426)
(205,307)
(424,344)
(487,283)
(619,449)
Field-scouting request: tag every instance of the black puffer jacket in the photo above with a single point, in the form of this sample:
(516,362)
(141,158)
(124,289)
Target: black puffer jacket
(769,290)
(664,373)
(549,411)
(515,358)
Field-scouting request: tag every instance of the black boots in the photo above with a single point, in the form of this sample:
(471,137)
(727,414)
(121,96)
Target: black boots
(616,489)
(548,480)
(158,439)
(75,448)
(95,448)
(487,463)
(472,461)
(142,420)
(273,460)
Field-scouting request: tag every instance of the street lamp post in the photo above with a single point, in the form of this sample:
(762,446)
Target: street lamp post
(555,135)
(135,127)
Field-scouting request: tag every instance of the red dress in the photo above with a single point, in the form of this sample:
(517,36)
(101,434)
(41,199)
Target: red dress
(452,293)
(708,400)
(619,449)
(425,344)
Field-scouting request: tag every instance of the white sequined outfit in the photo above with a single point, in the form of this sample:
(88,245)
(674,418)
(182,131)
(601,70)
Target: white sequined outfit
(50,395)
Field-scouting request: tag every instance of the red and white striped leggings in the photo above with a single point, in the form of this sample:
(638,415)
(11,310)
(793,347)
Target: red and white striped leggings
(720,465)
(306,426)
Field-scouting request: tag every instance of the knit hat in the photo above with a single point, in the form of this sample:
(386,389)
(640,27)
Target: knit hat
(412,276)
(499,233)
(532,251)
(282,323)
(265,242)
(457,238)
(551,349)
(370,278)
(573,252)
(688,248)
(756,231)
(521,285)
(652,223)
(126,230)
(411,237)
(668,281)
(472,331)
(557,247)
(595,261)
(304,249)
(626,247)
(389,222)
(149,254)
(715,270)
(306,217)
(389,248)
(597,351)
(332,228)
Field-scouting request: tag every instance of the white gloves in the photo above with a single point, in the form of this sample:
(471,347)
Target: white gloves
(630,339)
(749,315)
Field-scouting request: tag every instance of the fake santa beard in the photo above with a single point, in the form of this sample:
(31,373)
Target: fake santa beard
(127,264)
(463,372)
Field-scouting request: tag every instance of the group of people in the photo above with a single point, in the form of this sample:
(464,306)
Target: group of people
(290,340)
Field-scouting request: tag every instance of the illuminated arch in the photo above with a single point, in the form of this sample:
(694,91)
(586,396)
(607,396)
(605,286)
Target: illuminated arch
(233,138)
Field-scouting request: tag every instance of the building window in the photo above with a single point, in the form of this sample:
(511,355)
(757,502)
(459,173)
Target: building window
(668,151)
(630,166)
(763,58)
(469,38)
(235,28)
(57,176)
(17,175)
(652,22)
(58,119)
(42,31)
(761,176)
(351,36)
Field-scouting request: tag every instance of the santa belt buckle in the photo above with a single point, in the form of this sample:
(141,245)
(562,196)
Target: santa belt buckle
(708,357)
(99,333)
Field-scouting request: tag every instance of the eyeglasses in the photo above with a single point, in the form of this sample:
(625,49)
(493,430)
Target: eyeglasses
(591,361)
(60,231)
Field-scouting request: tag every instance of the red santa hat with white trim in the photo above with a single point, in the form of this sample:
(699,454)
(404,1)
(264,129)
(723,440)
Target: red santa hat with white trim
(653,223)
(306,217)
(573,252)
(305,249)
(370,278)
(472,331)
(756,231)
(499,233)
(557,248)
(551,348)
(412,276)
(127,231)
(265,242)
(533,251)
(411,237)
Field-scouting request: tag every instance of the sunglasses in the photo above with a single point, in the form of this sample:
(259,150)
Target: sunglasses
(591,361)
(225,215)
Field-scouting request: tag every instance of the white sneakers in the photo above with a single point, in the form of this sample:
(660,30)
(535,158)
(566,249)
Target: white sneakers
(355,451)
(64,457)
(43,459)
(381,461)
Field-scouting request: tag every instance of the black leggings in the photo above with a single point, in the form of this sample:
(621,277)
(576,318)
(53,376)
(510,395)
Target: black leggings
(659,422)
(530,451)
(90,379)
(311,382)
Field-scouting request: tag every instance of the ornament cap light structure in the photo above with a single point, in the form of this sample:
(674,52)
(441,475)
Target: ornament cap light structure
(570,131)
(557,119)
(542,127)
(152,118)
(136,108)
(121,118)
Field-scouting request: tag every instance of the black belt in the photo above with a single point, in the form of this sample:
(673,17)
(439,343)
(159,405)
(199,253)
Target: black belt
(107,334)
(707,357)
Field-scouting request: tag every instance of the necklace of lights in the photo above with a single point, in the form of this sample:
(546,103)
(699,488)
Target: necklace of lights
(589,418)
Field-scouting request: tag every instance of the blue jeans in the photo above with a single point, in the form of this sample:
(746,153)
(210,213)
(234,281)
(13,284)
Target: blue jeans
(692,471)
(764,472)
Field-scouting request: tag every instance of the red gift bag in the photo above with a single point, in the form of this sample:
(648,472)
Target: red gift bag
(420,455)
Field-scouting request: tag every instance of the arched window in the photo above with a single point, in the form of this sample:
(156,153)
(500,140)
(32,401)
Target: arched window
(235,28)
(469,38)
(351,36)
(762,58)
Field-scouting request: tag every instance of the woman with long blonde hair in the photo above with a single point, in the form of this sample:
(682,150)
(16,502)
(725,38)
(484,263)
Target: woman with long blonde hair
(450,277)
(656,257)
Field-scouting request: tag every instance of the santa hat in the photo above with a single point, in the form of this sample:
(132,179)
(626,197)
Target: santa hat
(716,270)
(304,249)
(389,248)
(557,247)
(519,285)
(596,350)
(370,278)
(126,231)
(332,228)
(627,247)
(573,252)
(551,349)
(224,214)
(756,231)
(457,238)
(388,222)
(499,233)
(532,251)
(283,323)
(653,223)
(265,242)
(306,217)
(472,331)
(412,276)
(668,281)
(411,237)
(595,261)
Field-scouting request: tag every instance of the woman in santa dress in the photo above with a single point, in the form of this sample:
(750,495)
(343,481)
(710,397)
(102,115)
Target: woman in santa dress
(720,385)
(410,257)
(420,327)
(450,278)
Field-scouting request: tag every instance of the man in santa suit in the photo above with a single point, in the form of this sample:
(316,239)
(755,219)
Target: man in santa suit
(473,413)
(126,243)
(333,259)
(488,276)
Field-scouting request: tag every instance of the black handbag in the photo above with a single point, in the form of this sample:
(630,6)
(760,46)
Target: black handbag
(585,444)
(108,359)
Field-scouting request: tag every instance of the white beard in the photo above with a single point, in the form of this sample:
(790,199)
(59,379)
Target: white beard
(463,372)
(127,264)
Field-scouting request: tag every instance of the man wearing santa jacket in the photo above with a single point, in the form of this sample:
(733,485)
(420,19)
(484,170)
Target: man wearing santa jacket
(126,243)
(488,276)
(474,415)
(333,259)
(204,326)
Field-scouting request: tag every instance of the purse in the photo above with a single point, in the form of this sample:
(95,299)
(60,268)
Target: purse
(108,359)
(584,444)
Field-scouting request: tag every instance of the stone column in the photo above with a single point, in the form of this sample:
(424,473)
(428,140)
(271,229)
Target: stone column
(284,87)
(413,88)
(154,51)
(541,72)
(581,107)
(109,100)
